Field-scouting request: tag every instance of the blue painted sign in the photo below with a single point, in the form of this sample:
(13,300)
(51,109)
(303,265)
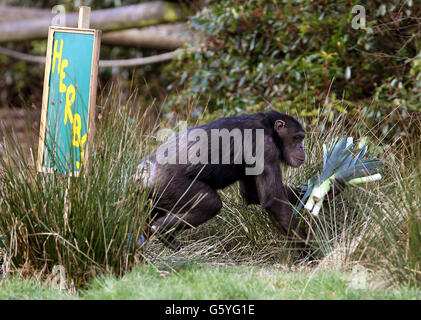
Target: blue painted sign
(67,115)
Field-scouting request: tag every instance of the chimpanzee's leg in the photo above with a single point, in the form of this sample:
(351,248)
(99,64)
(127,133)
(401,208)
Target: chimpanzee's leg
(188,203)
(248,190)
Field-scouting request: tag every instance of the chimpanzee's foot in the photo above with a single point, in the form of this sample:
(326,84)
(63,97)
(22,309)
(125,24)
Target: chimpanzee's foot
(167,239)
(174,244)
(170,242)
(305,252)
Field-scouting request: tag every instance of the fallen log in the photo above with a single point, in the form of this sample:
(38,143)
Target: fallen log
(133,16)
(12,13)
(165,36)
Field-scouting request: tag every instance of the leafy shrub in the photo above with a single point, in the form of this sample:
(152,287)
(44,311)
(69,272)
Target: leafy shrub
(298,55)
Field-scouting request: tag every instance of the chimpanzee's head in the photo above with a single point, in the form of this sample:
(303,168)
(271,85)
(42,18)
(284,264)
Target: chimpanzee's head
(291,134)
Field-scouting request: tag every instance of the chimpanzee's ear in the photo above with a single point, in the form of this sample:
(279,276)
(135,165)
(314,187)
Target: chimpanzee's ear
(279,126)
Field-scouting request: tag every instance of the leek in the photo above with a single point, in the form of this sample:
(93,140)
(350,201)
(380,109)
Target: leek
(316,209)
(310,204)
(362,180)
(338,162)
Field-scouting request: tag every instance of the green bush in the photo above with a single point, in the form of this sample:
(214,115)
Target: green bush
(299,55)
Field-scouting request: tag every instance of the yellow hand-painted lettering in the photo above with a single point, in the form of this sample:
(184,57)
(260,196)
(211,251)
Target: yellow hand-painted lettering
(62,86)
(70,98)
(78,140)
(57,55)
(82,154)
(77,127)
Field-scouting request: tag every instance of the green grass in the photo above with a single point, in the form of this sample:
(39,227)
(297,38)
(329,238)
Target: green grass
(29,289)
(218,282)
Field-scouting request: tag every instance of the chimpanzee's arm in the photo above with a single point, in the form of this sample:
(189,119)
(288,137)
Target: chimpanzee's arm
(249,194)
(274,198)
(294,194)
(248,190)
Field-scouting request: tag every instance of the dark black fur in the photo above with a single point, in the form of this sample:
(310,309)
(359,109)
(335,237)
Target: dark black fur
(186,193)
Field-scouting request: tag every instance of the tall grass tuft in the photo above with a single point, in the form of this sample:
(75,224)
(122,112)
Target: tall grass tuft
(394,245)
(80,223)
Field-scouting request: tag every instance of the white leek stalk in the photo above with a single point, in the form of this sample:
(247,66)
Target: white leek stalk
(374,177)
(317,207)
(309,205)
(320,191)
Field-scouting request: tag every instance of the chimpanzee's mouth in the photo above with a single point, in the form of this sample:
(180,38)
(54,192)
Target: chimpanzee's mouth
(300,160)
(296,162)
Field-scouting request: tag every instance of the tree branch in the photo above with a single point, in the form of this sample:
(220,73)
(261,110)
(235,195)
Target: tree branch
(133,16)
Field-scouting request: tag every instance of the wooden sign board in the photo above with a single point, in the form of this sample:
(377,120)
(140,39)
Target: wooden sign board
(68,102)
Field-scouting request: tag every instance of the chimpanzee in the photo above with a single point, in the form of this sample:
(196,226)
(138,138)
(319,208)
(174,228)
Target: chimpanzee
(216,155)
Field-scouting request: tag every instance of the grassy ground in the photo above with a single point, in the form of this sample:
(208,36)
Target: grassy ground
(219,282)
(377,226)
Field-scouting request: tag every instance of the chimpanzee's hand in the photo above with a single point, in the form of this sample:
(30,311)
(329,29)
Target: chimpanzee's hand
(337,187)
